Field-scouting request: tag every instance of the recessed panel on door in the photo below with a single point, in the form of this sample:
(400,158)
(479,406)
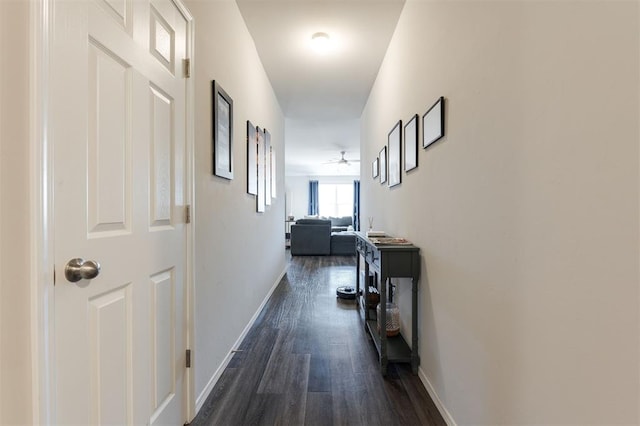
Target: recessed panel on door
(162,117)
(109,142)
(162,40)
(163,313)
(119,10)
(110,333)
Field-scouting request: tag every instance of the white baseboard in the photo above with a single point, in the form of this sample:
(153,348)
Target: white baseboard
(216,376)
(436,399)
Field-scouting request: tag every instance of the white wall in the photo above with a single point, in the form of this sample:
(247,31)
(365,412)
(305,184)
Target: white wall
(297,189)
(239,254)
(527,211)
(15,258)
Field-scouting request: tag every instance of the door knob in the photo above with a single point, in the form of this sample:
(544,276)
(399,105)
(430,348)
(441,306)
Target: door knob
(78,269)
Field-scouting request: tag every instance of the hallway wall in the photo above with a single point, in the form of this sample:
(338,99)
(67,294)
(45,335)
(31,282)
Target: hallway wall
(239,254)
(15,209)
(526,212)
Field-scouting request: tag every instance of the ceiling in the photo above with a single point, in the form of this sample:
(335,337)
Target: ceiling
(321,95)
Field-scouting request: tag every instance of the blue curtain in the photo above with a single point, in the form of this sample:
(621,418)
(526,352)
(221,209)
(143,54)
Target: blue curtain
(356,205)
(313,197)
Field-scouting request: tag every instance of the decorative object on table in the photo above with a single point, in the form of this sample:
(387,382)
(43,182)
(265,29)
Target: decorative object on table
(411,144)
(375,168)
(373,297)
(252,159)
(222,132)
(371,234)
(388,241)
(370,222)
(291,218)
(260,199)
(433,123)
(394,139)
(345,292)
(383,164)
(392,319)
(267,167)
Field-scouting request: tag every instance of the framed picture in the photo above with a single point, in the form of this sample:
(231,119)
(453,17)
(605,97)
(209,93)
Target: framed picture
(260,199)
(273,172)
(383,164)
(252,159)
(395,154)
(375,168)
(411,144)
(222,132)
(267,167)
(433,123)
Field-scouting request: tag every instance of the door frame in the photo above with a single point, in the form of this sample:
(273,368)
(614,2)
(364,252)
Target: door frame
(41,220)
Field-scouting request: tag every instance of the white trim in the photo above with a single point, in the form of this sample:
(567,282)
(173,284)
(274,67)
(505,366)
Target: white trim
(41,218)
(189,385)
(446,415)
(216,376)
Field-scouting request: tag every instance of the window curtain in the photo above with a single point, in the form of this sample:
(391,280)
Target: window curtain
(356,205)
(313,197)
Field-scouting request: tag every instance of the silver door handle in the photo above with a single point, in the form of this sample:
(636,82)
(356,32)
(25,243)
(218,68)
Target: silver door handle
(78,269)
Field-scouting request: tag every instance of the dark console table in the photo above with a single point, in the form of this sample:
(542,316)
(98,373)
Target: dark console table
(386,262)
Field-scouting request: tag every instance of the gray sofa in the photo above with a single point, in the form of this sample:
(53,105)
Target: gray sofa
(313,237)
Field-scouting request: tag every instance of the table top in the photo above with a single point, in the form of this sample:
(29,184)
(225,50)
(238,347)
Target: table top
(387,242)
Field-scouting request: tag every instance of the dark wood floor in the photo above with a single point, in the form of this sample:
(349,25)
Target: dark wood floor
(308,361)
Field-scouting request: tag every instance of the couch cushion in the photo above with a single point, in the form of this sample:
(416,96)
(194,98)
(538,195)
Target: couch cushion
(313,222)
(343,243)
(341,221)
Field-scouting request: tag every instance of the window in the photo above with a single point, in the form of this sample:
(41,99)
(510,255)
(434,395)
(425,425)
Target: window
(335,199)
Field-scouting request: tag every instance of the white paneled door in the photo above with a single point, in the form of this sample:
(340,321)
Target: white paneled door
(118,113)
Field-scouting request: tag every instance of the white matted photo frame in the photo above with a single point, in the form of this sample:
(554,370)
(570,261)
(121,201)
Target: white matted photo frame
(260,199)
(433,123)
(394,141)
(383,164)
(273,172)
(222,132)
(411,144)
(267,167)
(375,168)
(252,159)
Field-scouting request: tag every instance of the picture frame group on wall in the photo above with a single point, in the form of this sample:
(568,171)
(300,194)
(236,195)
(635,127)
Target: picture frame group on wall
(402,144)
(222,132)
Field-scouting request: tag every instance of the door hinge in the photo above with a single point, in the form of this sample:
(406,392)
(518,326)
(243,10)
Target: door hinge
(188,359)
(54,275)
(187,214)
(187,67)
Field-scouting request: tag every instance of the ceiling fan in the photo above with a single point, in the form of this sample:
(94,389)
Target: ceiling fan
(342,161)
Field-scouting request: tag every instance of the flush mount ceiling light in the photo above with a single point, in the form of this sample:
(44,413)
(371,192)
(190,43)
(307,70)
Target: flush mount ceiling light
(320,42)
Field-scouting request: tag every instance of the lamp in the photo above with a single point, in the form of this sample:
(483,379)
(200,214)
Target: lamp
(320,42)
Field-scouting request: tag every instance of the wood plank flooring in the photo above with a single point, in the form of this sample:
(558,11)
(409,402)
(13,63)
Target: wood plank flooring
(308,361)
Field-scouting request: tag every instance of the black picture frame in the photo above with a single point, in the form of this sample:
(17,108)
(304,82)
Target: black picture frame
(383,164)
(433,123)
(267,167)
(375,168)
(273,172)
(394,142)
(411,144)
(260,199)
(222,132)
(252,159)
